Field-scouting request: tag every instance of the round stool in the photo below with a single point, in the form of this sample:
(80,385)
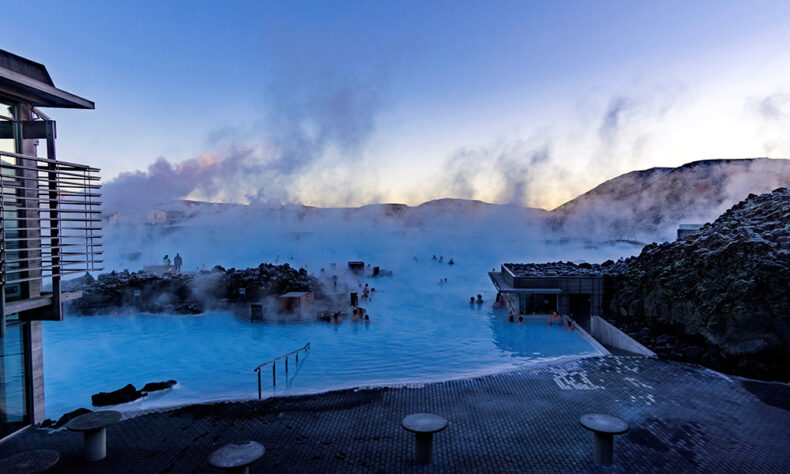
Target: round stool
(604,428)
(94,427)
(237,457)
(423,425)
(38,460)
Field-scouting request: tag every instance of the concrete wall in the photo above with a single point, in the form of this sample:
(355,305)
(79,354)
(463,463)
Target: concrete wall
(609,335)
(593,342)
(37,372)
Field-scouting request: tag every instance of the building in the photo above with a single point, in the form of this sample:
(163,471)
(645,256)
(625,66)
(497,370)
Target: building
(684,230)
(573,290)
(157,216)
(49,223)
(296,300)
(357,267)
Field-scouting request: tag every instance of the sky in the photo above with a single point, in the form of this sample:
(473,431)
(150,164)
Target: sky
(349,103)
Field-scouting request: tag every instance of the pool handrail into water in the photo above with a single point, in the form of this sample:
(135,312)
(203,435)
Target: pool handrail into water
(305,348)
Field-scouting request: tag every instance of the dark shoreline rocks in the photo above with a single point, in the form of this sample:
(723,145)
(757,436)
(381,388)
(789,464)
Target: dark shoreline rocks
(122,395)
(129,393)
(64,419)
(156,386)
(719,298)
(185,293)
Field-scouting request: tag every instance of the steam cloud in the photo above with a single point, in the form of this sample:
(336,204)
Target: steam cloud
(314,119)
(774,114)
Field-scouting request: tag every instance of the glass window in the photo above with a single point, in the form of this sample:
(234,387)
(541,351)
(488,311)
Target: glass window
(6,115)
(14,413)
(13,291)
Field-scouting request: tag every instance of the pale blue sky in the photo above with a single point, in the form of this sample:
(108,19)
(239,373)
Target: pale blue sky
(353,102)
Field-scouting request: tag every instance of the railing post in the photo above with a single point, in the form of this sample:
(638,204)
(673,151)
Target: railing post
(259,384)
(274,378)
(54,223)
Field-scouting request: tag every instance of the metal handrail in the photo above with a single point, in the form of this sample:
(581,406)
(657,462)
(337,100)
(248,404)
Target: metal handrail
(46,160)
(305,348)
(43,194)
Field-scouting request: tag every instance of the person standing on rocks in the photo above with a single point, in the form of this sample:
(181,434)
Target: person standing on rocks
(166,260)
(177,261)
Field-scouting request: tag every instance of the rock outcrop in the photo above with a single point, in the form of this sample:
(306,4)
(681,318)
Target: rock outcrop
(720,297)
(155,386)
(122,395)
(186,293)
(64,419)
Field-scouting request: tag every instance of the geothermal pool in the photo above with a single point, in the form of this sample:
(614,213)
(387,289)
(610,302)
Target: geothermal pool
(420,331)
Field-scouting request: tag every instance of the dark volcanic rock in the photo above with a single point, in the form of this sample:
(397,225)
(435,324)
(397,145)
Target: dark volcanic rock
(186,293)
(723,294)
(122,395)
(68,417)
(154,386)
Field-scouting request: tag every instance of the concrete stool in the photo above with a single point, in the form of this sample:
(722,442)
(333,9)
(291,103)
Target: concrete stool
(94,426)
(38,460)
(423,425)
(604,427)
(237,457)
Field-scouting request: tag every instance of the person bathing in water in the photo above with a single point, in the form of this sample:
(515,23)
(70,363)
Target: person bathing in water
(499,302)
(471,300)
(479,299)
(554,317)
(510,317)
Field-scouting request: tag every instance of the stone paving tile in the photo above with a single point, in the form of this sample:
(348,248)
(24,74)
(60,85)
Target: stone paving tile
(683,419)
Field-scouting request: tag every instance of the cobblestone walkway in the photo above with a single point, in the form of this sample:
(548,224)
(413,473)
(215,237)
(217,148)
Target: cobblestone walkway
(683,419)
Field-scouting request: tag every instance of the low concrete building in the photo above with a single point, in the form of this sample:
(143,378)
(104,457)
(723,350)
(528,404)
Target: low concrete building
(296,300)
(159,269)
(684,230)
(542,288)
(357,267)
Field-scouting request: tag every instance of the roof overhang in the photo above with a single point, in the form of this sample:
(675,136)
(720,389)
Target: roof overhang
(532,291)
(38,93)
(503,287)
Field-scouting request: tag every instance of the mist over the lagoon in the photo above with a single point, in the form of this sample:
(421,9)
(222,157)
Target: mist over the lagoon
(474,235)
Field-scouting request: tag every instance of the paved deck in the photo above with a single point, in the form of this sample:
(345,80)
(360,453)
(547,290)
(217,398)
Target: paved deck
(683,419)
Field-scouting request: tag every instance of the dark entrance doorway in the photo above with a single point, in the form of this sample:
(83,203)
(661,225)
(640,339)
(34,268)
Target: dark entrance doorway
(535,303)
(579,307)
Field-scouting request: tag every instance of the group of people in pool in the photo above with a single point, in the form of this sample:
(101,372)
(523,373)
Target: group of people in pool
(367,292)
(441,259)
(358,314)
(554,317)
(500,302)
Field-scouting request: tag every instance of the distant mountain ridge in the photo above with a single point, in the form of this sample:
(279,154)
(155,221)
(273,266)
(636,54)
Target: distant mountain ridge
(644,204)
(652,201)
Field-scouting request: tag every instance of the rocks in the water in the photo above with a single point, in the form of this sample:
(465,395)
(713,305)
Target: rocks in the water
(154,386)
(187,293)
(65,418)
(122,395)
(720,297)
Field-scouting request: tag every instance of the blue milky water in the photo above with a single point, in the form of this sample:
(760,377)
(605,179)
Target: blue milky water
(420,331)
